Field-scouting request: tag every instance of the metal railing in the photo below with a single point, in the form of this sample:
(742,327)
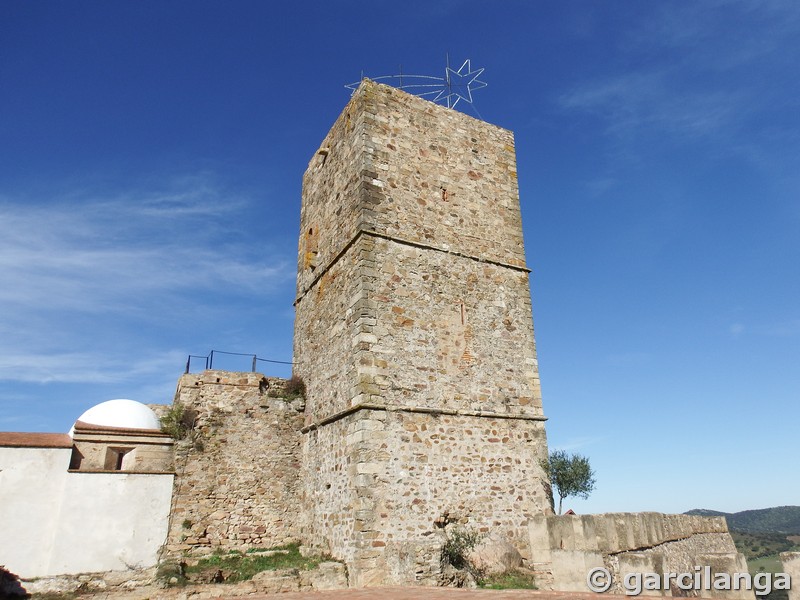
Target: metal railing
(209,360)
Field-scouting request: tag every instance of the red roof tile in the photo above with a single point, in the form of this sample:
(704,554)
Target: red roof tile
(16,439)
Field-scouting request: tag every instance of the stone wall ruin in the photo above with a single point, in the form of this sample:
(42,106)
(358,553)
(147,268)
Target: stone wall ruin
(423,410)
(237,483)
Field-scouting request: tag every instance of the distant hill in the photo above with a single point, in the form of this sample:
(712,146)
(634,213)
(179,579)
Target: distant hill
(779,519)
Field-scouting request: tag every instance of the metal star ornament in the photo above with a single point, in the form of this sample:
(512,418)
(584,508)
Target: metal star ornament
(455,86)
(460,84)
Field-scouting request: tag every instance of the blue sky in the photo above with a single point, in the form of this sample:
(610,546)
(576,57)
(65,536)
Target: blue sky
(151,156)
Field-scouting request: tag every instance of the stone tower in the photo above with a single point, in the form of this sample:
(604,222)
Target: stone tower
(414,336)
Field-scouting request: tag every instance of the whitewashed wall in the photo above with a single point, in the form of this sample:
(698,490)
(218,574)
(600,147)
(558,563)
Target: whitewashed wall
(31,484)
(53,522)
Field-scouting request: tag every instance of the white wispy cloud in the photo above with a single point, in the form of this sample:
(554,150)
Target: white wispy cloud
(84,367)
(578,443)
(638,102)
(701,27)
(781,329)
(789,328)
(92,254)
(76,257)
(736,330)
(695,70)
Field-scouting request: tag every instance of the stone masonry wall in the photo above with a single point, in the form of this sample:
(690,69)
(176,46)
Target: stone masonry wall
(451,333)
(391,324)
(440,178)
(414,335)
(381,484)
(565,548)
(403,167)
(328,324)
(413,208)
(237,482)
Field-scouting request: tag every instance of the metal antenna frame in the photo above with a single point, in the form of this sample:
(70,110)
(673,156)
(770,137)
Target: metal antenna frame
(449,90)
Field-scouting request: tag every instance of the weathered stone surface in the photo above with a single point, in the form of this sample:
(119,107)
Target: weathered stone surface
(567,547)
(274,582)
(108,582)
(495,554)
(791,566)
(141,585)
(414,256)
(413,333)
(328,575)
(237,483)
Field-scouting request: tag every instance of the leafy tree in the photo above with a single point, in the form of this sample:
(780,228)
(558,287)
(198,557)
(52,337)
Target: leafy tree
(570,475)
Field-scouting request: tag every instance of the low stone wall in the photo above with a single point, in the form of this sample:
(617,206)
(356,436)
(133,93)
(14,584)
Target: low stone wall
(612,533)
(109,582)
(237,482)
(142,584)
(791,566)
(566,548)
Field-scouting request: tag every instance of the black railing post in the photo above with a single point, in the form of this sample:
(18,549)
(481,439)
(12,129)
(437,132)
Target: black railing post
(211,360)
(188,362)
(254,363)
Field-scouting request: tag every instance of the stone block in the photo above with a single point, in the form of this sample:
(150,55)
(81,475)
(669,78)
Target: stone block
(495,554)
(791,566)
(276,582)
(570,568)
(327,575)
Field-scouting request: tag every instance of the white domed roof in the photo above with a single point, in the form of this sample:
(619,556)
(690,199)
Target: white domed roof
(121,413)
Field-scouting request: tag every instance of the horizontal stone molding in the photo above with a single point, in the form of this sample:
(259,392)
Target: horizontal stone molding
(419,409)
(404,242)
(117,472)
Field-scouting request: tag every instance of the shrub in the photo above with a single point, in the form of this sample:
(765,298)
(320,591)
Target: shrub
(178,421)
(456,548)
(295,388)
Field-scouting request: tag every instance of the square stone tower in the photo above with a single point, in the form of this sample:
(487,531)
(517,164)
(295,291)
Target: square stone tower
(414,336)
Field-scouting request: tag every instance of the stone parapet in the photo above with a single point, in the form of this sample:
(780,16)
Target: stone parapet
(565,548)
(620,532)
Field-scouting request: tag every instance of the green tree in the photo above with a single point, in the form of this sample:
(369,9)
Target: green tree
(570,475)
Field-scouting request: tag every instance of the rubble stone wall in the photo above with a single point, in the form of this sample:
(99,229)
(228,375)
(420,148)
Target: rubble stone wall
(382,483)
(237,482)
(414,335)
(411,241)
(331,326)
(450,332)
